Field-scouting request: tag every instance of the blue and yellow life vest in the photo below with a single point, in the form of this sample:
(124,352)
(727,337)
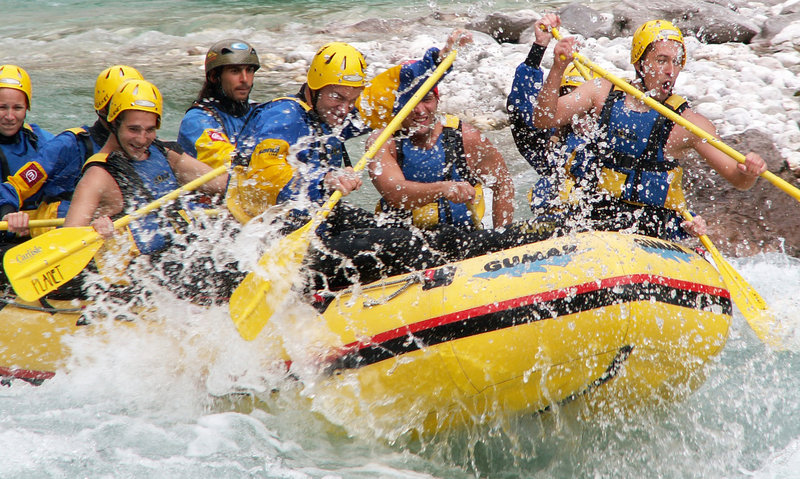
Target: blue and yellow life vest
(208,133)
(264,176)
(446,161)
(141,182)
(632,165)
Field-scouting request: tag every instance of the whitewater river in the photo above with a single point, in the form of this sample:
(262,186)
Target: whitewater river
(148,404)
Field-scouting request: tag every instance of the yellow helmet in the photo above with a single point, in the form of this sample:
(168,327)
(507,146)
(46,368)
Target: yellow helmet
(337,63)
(12,76)
(136,95)
(653,31)
(572,76)
(109,80)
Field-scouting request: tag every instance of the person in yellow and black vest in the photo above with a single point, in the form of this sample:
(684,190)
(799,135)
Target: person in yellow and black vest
(20,144)
(431,174)
(211,126)
(635,178)
(134,168)
(291,156)
(44,186)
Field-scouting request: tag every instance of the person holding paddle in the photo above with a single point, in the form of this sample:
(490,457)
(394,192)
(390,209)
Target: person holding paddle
(431,173)
(60,160)
(291,154)
(20,143)
(550,151)
(132,169)
(634,178)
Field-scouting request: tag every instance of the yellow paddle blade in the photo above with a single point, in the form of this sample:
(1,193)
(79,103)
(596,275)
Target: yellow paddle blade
(752,305)
(254,301)
(42,264)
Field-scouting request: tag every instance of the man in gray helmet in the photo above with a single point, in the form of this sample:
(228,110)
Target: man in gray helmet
(211,126)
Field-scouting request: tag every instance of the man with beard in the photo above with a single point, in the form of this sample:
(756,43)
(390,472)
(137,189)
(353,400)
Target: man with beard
(211,126)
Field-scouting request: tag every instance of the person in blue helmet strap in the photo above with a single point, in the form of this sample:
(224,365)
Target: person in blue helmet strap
(20,143)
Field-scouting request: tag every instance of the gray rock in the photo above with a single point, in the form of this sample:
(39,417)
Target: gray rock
(586,21)
(774,25)
(743,223)
(503,27)
(708,21)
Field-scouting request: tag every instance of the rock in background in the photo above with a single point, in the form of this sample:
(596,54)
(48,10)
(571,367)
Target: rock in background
(741,223)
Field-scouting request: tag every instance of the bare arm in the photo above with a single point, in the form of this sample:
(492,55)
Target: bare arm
(553,110)
(391,183)
(741,176)
(96,195)
(484,159)
(187,168)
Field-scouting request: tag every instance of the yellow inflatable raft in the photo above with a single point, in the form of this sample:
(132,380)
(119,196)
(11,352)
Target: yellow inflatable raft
(31,348)
(620,319)
(624,319)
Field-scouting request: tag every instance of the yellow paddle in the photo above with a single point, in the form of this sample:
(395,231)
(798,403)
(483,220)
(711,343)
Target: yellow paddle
(40,265)
(676,118)
(254,300)
(36,223)
(750,303)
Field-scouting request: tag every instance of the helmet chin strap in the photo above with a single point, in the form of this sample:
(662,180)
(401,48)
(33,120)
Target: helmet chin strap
(314,95)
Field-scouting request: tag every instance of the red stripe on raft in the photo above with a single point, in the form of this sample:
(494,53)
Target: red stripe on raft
(25,373)
(540,298)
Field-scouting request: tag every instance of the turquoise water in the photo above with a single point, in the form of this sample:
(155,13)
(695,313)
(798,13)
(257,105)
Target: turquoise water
(146,405)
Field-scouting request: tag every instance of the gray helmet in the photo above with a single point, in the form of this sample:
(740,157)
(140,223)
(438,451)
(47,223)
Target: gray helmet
(231,52)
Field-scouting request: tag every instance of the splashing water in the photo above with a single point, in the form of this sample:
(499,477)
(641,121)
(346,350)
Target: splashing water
(179,394)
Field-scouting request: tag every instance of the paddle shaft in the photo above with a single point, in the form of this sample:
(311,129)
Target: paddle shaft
(387,132)
(36,223)
(60,221)
(250,307)
(678,119)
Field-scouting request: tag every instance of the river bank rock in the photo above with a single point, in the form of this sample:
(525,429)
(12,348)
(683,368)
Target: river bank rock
(506,28)
(711,21)
(743,223)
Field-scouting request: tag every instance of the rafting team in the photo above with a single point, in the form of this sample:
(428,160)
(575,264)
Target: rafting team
(605,160)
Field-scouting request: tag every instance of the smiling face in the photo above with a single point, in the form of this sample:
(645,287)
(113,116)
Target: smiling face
(335,102)
(422,118)
(237,81)
(136,132)
(13,108)
(659,67)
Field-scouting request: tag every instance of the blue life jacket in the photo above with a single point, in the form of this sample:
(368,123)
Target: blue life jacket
(633,167)
(142,182)
(446,161)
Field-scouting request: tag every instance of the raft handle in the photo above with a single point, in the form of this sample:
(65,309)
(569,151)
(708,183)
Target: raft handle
(407,282)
